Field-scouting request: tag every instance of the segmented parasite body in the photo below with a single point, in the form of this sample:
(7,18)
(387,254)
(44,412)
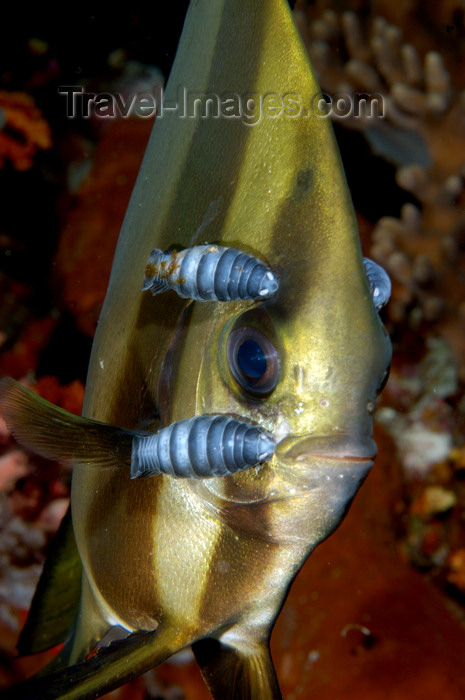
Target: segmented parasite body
(209,273)
(379,283)
(200,447)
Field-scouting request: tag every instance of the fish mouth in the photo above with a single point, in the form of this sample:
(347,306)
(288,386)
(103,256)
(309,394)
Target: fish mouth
(352,448)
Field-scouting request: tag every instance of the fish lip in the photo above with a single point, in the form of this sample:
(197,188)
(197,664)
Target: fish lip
(350,448)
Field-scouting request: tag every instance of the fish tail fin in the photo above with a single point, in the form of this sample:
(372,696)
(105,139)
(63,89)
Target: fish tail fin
(108,669)
(54,433)
(244,672)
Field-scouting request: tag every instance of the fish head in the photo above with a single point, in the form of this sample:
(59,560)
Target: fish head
(306,365)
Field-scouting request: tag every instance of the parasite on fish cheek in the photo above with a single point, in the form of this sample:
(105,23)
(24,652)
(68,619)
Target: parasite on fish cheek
(209,273)
(201,447)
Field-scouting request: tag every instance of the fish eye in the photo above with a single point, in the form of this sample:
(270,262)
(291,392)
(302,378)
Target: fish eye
(253,361)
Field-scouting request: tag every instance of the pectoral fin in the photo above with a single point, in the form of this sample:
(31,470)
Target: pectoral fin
(234,673)
(54,433)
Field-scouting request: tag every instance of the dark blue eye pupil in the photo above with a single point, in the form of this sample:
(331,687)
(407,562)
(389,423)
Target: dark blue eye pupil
(251,359)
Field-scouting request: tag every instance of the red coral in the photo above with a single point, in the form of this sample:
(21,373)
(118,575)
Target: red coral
(87,244)
(23,130)
(23,356)
(69,397)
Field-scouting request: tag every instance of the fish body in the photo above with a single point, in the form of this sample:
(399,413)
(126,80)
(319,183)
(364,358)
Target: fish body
(208,562)
(209,273)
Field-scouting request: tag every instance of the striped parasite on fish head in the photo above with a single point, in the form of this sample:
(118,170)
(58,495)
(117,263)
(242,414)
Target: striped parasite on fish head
(209,273)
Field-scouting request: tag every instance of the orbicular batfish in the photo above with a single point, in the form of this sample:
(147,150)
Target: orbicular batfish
(237,159)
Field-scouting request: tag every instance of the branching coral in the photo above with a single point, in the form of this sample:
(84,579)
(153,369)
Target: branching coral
(348,59)
(23,130)
(422,132)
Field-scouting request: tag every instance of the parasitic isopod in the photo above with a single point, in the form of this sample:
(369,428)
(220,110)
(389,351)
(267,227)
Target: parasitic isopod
(209,273)
(379,283)
(201,447)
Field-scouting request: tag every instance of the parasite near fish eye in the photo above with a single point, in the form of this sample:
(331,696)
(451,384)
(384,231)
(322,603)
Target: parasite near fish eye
(253,361)
(379,283)
(201,447)
(209,273)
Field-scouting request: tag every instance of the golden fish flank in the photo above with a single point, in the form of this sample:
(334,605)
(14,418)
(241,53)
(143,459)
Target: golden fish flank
(208,562)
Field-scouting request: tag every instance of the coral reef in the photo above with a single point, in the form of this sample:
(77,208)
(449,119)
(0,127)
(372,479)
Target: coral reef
(19,543)
(34,496)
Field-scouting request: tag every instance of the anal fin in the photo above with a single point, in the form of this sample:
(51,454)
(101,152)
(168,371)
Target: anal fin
(108,669)
(237,673)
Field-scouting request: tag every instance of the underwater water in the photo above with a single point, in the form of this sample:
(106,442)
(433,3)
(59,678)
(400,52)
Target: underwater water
(378,611)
